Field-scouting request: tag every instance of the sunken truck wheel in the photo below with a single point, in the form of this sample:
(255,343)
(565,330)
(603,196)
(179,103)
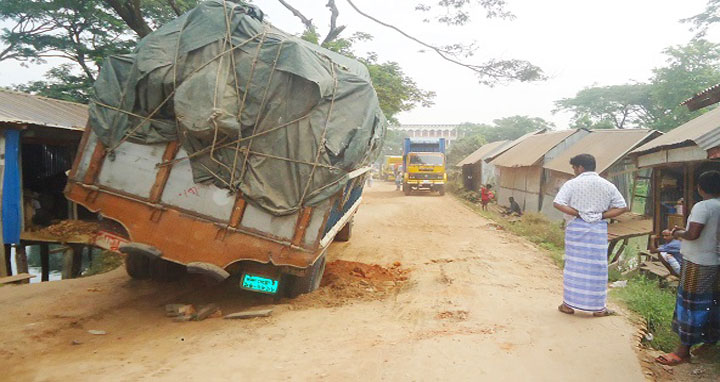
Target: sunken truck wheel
(297,285)
(166,271)
(346,232)
(138,266)
(406,189)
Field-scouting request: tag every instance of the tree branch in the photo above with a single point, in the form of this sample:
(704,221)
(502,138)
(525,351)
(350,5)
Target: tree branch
(490,72)
(307,22)
(334,29)
(174,7)
(131,14)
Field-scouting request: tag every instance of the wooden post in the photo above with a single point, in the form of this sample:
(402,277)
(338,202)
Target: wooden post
(77,261)
(8,263)
(21,260)
(67,266)
(45,262)
(5,268)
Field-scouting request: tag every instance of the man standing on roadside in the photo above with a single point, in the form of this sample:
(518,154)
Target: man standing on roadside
(587,199)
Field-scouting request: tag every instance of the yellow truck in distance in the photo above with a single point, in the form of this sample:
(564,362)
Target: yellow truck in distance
(387,172)
(424,165)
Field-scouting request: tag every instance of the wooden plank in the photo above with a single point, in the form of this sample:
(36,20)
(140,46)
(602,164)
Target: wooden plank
(96,162)
(163,173)
(22,277)
(302,224)
(238,210)
(249,314)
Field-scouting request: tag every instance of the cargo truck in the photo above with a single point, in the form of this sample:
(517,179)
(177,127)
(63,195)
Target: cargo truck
(424,165)
(238,158)
(390,166)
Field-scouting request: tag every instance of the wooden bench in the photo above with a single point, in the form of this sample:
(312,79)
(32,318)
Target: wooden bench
(16,279)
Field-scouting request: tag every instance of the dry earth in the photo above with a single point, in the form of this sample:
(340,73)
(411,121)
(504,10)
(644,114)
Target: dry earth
(426,290)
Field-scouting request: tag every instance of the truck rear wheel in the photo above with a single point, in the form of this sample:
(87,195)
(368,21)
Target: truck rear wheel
(406,189)
(138,266)
(346,232)
(166,271)
(441,189)
(297,285)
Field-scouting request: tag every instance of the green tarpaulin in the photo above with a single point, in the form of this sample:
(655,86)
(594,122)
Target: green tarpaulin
(278,118)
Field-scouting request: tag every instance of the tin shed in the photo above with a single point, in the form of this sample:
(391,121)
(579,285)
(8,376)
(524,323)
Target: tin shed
(520,170)
(610,149)
(475,171)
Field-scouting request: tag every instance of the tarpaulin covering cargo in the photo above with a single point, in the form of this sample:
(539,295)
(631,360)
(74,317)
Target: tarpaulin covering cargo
(257,110)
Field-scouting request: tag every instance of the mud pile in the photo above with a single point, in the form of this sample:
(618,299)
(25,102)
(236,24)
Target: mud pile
(347,281)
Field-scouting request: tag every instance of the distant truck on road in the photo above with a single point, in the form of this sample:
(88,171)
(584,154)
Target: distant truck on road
(424,165)
(390,165)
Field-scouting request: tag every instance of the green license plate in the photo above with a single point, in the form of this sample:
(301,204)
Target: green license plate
(260,284)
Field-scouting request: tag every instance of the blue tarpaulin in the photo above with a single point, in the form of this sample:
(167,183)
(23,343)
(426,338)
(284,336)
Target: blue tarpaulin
(11,213)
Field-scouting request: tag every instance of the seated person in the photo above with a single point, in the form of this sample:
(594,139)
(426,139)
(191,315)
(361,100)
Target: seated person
(668,253)
(514,208)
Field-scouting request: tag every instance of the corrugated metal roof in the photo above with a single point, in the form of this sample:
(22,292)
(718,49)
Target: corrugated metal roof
(607,146)
(531,149)
(703,131)
(480,153)
(22,108)
(490,157)
(706,97)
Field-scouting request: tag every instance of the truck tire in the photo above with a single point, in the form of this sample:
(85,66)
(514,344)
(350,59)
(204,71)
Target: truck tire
(441,189)
(297,285)
(406,189)
(346,232)
(138,266)
(166,271)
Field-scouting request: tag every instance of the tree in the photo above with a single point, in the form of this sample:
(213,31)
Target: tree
(448,12)
(690,69)
(83,32)
(656,104)
(608,107)
(475,135)
(705,19)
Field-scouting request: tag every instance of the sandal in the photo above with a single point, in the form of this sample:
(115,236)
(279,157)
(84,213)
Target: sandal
(604,313)
(671,359)
(565,309)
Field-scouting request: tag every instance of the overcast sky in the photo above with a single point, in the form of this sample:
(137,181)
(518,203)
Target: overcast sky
(577,43)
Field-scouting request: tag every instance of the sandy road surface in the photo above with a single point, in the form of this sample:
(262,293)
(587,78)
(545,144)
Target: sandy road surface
(479,304)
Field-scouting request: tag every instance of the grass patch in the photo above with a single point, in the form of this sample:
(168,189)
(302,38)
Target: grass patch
(655,305)
(103,262)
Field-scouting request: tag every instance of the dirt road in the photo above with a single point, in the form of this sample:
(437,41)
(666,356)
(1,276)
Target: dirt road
(478,304)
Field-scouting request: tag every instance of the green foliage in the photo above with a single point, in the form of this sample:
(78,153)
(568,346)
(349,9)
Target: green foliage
(393,144)
(607,107)
(655,305)
(83,32)
(475,135)
(103,262)
(61,84)
(463,147)
(690,69)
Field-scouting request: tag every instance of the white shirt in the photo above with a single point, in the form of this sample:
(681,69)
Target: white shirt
(703,250)
(590,195)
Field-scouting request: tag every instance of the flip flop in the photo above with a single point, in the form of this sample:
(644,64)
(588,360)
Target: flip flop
(671,359)
(604,313)
(566,309)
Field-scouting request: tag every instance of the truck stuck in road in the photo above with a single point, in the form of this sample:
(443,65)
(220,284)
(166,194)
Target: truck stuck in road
(227,147)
